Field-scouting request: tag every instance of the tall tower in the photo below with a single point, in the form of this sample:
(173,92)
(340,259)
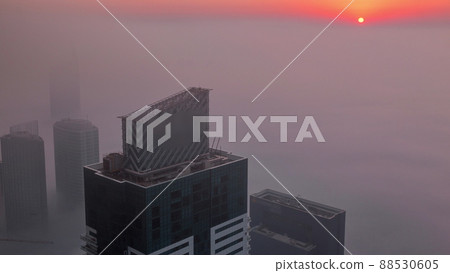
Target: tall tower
(202,211)
(2,203)
(76,145)
(65,96)
(24,181)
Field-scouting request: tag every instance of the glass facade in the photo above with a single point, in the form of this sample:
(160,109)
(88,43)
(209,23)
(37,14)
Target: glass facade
(76,145)
(24,182)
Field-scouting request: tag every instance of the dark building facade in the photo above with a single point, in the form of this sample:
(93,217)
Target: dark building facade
(204,211)
(24,181)
(2,204)
(281,226)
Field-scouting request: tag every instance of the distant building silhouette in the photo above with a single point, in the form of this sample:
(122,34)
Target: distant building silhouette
(65,97)
(24,181)
(281,226)
(204,211)
(2,203)
(31,127)
(76,145)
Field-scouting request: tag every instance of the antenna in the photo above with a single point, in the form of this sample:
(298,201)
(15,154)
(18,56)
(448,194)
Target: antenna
(212,146)
(218,143)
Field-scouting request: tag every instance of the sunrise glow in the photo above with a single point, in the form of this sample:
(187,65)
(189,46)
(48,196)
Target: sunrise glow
(377,11)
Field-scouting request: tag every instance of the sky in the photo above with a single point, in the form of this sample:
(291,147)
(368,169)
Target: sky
(375,10)
(378,91)
(372,10)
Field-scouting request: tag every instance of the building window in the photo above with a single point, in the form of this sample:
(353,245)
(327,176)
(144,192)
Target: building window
(175,194)
(155,212)
(156,223)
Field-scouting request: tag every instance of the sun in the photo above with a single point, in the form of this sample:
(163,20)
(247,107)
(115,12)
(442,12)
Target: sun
(361,20)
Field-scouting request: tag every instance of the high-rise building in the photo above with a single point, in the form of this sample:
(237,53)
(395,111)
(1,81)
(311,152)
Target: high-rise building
(2,203)
(65,96)
(76,145)
(281,226)
(203,211)
(24,181)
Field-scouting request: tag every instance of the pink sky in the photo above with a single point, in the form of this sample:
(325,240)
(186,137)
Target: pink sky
(371,10)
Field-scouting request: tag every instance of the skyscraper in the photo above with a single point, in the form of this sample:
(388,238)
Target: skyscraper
(2,203)
(65,97)
(24,181)
(203,211)
(281,226)
(76,145)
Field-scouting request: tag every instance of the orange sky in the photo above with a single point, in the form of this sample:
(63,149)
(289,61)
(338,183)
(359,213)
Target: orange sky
(372,10)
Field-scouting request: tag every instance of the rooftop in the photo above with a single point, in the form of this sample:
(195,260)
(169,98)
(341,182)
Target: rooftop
(210,160)
(22,135)
(74,124)
(287,200)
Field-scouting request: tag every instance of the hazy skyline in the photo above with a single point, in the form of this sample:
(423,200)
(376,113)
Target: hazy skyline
(379,93)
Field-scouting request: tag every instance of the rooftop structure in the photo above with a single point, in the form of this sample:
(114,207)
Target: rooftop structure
(281,225)
(317,209)
(109,168)
(159,135)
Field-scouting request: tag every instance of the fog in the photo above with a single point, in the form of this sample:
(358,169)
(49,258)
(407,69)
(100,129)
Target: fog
(379,93)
